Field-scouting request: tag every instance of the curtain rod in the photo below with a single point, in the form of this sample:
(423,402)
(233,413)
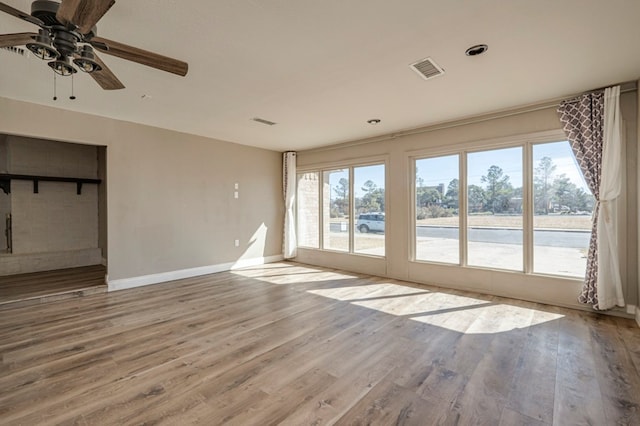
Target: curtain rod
(629,86)
(624,88)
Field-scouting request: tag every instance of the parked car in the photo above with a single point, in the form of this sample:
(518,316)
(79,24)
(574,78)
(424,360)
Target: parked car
(370,222)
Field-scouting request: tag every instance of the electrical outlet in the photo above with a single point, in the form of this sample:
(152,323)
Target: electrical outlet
(237,242)
(235,194)
(236,186)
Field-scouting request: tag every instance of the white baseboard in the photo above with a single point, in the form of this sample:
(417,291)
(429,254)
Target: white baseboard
(638,316)
(133,282)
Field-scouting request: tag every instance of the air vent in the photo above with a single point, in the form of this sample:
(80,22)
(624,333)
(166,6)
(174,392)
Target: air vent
(263,121)
(427,69)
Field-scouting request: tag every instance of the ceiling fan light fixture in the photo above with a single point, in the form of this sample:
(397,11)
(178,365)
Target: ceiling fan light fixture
(86,62)
(62,66)
(41,46)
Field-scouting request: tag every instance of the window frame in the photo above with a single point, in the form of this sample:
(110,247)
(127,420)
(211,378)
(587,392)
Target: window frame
(526,142)
(350,165)
(413,210)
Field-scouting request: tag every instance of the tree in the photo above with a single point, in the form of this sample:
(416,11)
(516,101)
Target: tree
(542,184)
(564,192)
(419,180)
(370,201)
(369,186)
(477,198)
(341,202)
(428,196)
(451,196)
(498,189)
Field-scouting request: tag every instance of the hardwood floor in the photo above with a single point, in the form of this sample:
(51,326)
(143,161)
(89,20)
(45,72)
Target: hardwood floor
(300,345)
(44,287)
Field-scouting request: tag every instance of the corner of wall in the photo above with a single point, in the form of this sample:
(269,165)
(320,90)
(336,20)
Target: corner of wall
(638,177)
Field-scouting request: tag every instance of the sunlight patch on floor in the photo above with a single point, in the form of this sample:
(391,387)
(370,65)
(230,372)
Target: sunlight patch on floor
(368,291)
(487,319)
(285,274)
(462,314)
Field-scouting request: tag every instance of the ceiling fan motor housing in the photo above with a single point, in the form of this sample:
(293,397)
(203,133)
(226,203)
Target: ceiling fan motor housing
(65,42)
(45,10)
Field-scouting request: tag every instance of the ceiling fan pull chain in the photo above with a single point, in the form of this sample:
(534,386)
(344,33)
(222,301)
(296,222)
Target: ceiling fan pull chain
(72,97)
(55,96)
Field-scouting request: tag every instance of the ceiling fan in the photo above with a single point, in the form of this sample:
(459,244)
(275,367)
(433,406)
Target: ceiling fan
(68,36)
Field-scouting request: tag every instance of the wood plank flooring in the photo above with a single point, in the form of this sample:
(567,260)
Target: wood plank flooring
(298,345)
(44,287)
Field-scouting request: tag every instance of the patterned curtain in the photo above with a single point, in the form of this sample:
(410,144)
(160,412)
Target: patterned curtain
(583,123)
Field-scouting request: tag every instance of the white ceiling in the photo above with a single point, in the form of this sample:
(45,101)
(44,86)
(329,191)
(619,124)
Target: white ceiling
(321,69)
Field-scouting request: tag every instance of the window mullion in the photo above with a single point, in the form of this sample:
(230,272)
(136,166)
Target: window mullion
(352,210)
(321,209)
(527,208)
(462,208)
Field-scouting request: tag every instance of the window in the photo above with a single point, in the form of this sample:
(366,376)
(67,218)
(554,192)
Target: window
(343,209)
(336,209)
(368,187)
(562,207)
(309,210)
(494,209)
(436,219)
(501,194)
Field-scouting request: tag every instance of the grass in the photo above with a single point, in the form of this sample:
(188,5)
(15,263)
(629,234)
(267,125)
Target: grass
(550,221)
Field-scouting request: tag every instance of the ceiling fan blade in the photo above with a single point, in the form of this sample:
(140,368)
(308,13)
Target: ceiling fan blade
(20,14)
(17,39)
(140,56)
(105,78)
(83,14)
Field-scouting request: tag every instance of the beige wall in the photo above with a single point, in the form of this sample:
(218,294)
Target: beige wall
(170,195)
(483,131)
(4,154)
(5,209)
(5,199)
(102,204)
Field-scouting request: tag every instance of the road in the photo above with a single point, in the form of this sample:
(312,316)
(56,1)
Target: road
(549,238)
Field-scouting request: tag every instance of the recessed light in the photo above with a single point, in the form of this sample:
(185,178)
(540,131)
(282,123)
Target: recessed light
(373,121)
(478,49)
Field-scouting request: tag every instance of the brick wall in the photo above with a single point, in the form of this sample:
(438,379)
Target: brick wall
(308,200)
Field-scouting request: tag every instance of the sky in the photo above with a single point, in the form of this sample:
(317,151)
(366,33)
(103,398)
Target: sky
(362,174)
(444,169)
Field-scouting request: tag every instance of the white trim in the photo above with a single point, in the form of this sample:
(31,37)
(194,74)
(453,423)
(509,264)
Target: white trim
(631,309)
(133,282)
(357,161)
(489,144)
